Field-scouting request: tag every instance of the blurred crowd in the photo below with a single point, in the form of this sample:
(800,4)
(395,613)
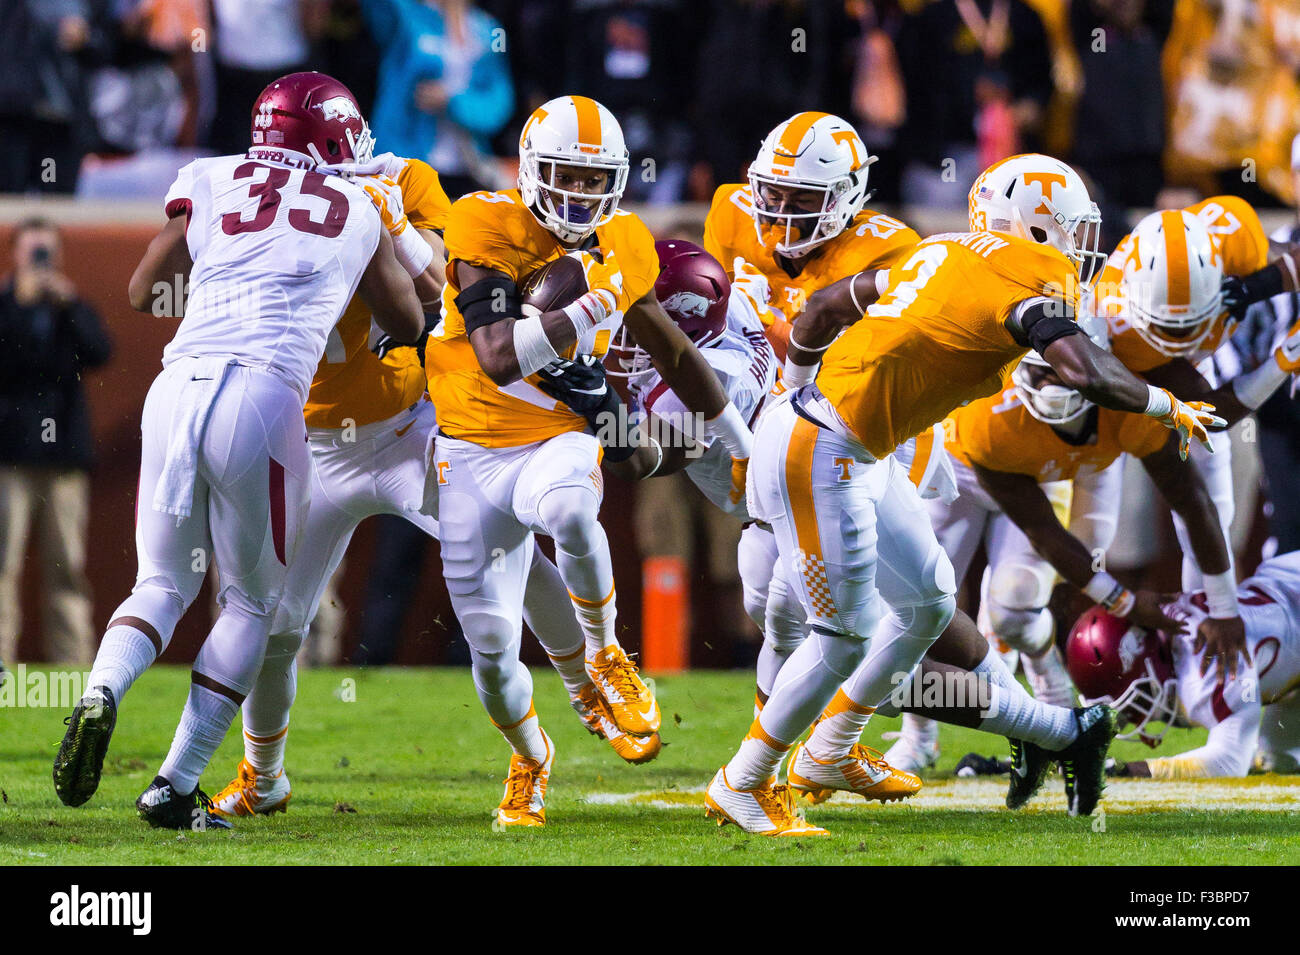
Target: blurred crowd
(1140,94)
(1153,100)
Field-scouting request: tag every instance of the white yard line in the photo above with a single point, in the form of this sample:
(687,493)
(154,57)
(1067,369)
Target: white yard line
(1259,794)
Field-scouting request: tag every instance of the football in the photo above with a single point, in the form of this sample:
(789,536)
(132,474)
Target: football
(554,285)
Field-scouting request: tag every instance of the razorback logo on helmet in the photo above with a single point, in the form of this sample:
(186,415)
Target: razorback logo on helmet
(338,107)
(687,303)
(1130,648)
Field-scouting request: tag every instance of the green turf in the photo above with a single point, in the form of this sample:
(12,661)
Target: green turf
(410,773)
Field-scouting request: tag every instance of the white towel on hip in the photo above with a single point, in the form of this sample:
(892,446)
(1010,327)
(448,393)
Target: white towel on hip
(200,380)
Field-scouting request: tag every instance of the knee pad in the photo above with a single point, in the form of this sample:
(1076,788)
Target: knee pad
(493,670)
(1017,606)
(928,619)
(490,633)
(840,651)
(283,646)
(569,516)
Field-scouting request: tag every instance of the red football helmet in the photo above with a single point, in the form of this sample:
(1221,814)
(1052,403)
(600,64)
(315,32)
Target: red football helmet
(311,117)
(693,290)
(1127,666)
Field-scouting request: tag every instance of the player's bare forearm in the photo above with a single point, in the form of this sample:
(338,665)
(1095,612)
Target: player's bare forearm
(1024,502)
(166,262)
(1183,487)
(494,344)
(674,356)
(827,312)
(429,283)
(388,291)
(1096,374)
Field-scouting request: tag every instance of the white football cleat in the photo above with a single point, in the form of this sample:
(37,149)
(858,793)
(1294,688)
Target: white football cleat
(250,794)
(766,811)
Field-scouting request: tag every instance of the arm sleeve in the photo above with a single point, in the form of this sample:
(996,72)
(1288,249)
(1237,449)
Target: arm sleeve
(1227,752)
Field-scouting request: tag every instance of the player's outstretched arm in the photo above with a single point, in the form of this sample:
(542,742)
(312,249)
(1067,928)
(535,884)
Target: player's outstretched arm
(388,290)
(1102,378)
(828,311)
(166,263)
(1222,634)
(1024,502)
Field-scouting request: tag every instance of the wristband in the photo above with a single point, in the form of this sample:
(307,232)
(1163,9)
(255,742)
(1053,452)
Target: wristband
(586,312)
(1221,594)
(412,251)
(729,428)
(796,376)
(1110,593)
(533,350)
(1159,402)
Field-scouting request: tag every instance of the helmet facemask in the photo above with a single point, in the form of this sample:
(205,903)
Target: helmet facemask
(795,234)
(633,362)
(1145,702)
(570,214)
(1079,237)
(1049,402)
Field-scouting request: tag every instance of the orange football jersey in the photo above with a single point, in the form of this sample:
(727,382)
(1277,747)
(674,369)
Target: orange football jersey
(936,339)
(871,241)
(495,230)
(352,383)
(1237,237)
(1000,434)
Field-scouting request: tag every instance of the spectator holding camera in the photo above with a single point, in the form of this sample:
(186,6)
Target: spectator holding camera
(48,337)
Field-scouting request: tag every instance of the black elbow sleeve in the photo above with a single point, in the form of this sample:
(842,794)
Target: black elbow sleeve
(487,301)
(1043,322)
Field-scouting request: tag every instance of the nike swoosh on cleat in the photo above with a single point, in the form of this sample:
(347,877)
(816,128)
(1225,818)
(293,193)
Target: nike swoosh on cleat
(401,431)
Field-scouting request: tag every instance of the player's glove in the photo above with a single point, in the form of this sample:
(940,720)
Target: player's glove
(1190,419)
(408,245)
(1241,293)
(753,284)
(581,384)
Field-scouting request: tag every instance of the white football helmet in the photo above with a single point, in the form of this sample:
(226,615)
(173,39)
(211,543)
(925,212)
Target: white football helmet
(1054,403)
(817,152)
(571,131)
(1171,284)
(1041,199)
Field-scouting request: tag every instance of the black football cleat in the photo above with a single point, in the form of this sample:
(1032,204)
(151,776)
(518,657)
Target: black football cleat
(80,760)
(1029,767)
(164,808)
(1083,762)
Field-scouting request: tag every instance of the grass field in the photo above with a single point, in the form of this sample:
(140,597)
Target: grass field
(410,771)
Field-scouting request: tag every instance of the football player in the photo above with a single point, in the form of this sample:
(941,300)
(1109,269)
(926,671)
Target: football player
(369,425)
(274,250)
(511,460)
(1157,679)
(1160,293)
(956,316)
(802,222)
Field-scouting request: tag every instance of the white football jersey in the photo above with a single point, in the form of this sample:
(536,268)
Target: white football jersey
(1270,609)
(746,366)
(278,252)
